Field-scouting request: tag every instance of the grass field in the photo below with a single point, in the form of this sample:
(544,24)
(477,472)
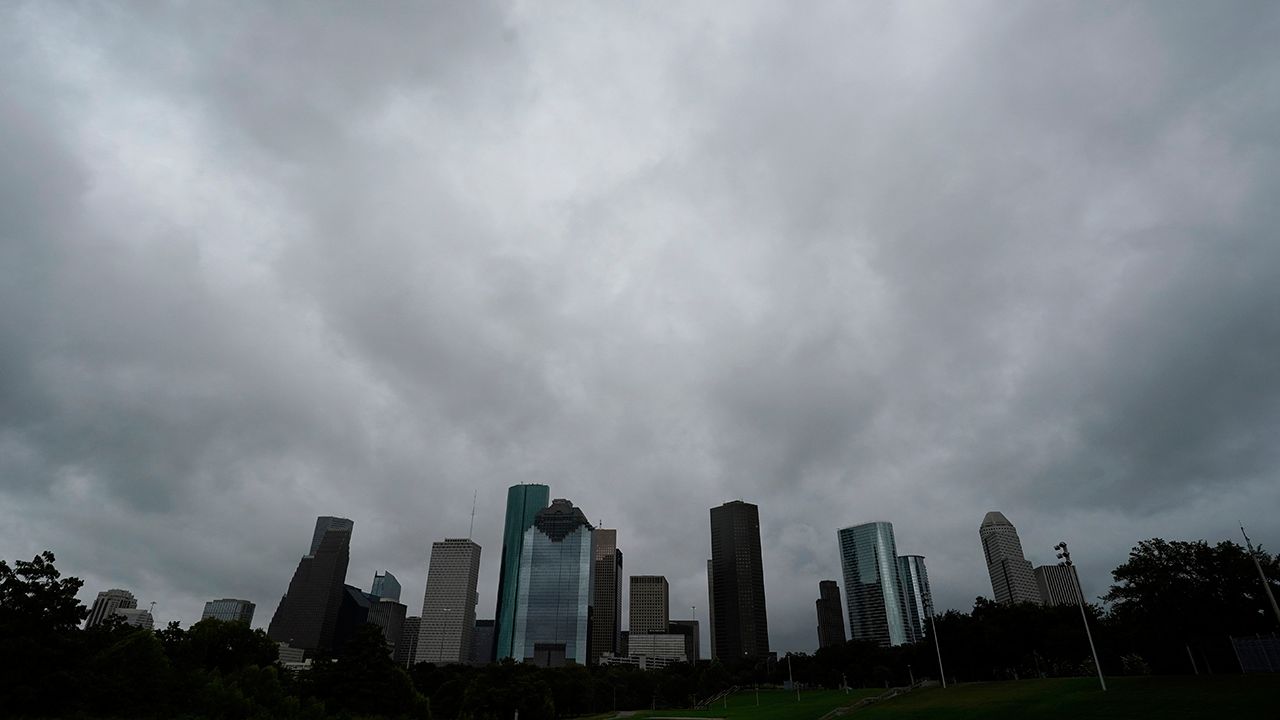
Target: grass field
(1132,698)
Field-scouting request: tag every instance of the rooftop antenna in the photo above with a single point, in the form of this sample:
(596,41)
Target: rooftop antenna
(473,514)
(153,607)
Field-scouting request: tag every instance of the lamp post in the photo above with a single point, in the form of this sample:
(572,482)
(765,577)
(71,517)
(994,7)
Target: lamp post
(933,630)
(1065,556)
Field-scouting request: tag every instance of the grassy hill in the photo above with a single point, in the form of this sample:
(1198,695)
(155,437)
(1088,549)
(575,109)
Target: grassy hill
(773,705)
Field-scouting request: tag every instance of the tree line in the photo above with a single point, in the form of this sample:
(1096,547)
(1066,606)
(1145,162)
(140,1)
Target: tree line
(1171,610)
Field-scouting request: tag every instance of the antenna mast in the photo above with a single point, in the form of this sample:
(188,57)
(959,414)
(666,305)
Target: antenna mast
(473,514)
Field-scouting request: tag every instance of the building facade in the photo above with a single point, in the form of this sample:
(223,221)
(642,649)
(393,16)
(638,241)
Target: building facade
(554,599)
(606,603)
(407,645)
(106,604)
(385,586)
(830,616)
(650,605)
(1011,578)
(139,618)
(229,610)
(482,647)
(523,504)
(307,616)
(1057,584)
(740,624)
(389,615)
(692,641)
(915,594)
(872,590)
(669,646)
(449,603)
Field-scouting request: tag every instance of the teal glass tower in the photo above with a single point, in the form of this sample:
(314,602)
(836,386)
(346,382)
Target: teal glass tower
(523,504)
(554,600)
(872,588)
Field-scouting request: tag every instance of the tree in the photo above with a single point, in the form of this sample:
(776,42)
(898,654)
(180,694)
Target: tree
(39,613)
(364,680)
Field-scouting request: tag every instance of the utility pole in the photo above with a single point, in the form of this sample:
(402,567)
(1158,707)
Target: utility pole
(1266,585)
(933,627)
(1065,556)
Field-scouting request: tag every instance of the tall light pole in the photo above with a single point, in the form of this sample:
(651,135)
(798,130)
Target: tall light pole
(933,630)
(1266,584)
(1065,556)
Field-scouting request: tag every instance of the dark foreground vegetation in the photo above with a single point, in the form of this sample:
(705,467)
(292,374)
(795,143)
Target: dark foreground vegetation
(1173,603)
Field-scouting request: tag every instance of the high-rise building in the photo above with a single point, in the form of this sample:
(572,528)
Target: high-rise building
(692,644)
(482,647)
(915,589)
(385,586)
(606,602)
(353,613)
(711,611)
(106,604)
(669,646)
(830,616)
(140,618)
(407,645)
(1011,578)
(229,610)
(389,615)
(872,591)
(553,605)
(1057,584)
(740,624)
(523,504)
(449,603)
(307,616)
(650,605)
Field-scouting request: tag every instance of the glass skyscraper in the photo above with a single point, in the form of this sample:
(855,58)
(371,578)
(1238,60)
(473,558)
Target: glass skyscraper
(873,592)
(385,586)
(830,617)
(606,604)
(739,622)
(554,594)
(523,504)
(915,588)
(229,610)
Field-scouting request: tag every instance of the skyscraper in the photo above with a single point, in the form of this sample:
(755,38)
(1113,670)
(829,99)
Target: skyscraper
(692,641)
(229,610)
(523,504)
(407,645)
(872,591)
(555,594)
(1011,577)
(915,588)
(650,605)
(1057,584)
(140,618)
(106,604)
(307,616)
(389,615)
(385,586)
(449,603)
(740,625)
(830,617)
(606,603)
(482,647)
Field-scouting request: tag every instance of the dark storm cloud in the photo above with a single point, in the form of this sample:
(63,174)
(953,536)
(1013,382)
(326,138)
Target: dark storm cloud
(872,262)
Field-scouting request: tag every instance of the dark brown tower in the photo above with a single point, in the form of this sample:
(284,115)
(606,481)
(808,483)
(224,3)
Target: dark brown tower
(308,613)
(830,616)
(606,603)
(740,623)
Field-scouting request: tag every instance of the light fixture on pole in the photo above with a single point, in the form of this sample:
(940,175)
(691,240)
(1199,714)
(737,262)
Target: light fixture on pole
(1065,556)
(933,630)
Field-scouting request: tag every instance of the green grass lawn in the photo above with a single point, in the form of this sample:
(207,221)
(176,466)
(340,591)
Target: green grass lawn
(774,705)
(1162,698)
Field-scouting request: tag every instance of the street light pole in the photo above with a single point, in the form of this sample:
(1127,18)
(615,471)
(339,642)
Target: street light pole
(933,630)
(1266,584)
(1065,556)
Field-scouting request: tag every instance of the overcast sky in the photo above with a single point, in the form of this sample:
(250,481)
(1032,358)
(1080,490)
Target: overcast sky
(903,261)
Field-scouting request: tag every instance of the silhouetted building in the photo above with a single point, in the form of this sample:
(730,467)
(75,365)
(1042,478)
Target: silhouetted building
(136,617)
(229,610)
(553,605)
(353,613)
(915,589)
(688,629)
(106,604)
(606,594)
(449,603)
(1057,584)
(1011,578)
(711,612)
(740,626)
(650,605)
(307,616)
(389,615)
(385,586)
(482,647)
(830,616)
(523,504)
(873,593)
(407,645)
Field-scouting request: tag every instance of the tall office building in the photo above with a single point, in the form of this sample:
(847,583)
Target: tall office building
(650,605)
(740,624)
(915,589)
(229,610)
(830,616)
(1011,578)
(606,594)
(449,603)
(385,586)
(139,618)
(482,647)
(692,643)
(353,613)
(307,616)
(554,601)
(523,504)
(872,591)
(389,615)
(711,610)
(1057,584)
(407,645)
(106,604)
